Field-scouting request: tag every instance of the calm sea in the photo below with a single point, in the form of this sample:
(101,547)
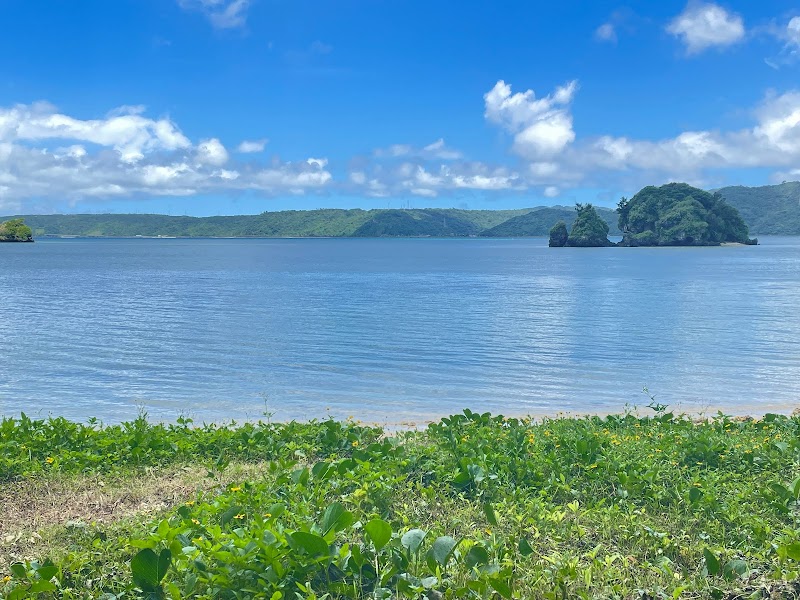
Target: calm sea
(393,330)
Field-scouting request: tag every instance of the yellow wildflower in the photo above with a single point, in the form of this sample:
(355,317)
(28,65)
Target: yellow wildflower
(49,460)
(195,521)
(236,489)
(355,443)
(267,515)
(7,578)
(239,516)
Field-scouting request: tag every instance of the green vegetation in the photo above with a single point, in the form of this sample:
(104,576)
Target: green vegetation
(767,210)
(537,222)
(475,506)
(559,235)
(15,230)
(678,214)
(289,223)
(773,210)
(588,230)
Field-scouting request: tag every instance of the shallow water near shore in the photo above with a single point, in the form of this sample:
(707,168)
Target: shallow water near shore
(393,331)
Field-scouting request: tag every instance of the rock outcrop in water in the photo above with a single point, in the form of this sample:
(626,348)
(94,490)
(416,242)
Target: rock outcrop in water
(588,230)
(559,235)
(15,230)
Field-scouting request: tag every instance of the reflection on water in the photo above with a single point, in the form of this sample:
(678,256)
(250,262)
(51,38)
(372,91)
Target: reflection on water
(393,330)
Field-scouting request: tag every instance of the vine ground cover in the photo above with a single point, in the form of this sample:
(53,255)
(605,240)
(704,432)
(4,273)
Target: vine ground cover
(475,506)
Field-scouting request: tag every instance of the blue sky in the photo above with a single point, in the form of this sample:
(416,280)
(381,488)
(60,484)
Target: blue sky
(238,106)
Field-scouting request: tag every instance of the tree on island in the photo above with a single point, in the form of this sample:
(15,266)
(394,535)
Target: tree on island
(559,235)
(678,214)
(588,230)
(15,230)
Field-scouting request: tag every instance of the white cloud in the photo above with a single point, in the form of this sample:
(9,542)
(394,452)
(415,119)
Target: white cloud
(251,146)
(439,149)
(212,152)
(551,191)
(223,14)
(426,180)
(793,31)
(542,126)
(318,162)
(126,131)
(705,25)
(606,33)
(771,142)
(435,150)
(126,154)
(358,177)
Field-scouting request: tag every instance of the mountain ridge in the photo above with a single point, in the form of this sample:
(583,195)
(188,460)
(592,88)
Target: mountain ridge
(767,210)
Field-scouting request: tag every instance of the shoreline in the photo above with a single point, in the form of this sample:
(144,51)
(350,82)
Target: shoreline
(748,411)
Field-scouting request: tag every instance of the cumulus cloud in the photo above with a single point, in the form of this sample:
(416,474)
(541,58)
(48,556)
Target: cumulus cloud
(542,127)
(701,26)
(772,142)
(212,152)
(606,33)
(430,180)
(51,157)
(125,130)
(251,146)
(223,14)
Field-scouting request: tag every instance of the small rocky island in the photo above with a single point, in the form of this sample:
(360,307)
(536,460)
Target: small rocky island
(15,230)
(675,214)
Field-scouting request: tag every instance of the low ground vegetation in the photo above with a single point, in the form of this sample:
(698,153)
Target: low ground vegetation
(474,506)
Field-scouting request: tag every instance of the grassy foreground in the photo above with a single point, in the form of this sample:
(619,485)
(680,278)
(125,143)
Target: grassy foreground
(475,506)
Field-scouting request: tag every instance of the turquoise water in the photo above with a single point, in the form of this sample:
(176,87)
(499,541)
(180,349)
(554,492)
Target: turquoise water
(393,330)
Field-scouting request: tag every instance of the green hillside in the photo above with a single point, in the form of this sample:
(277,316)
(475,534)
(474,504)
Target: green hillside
(538,222)
(289,223)
(767,210)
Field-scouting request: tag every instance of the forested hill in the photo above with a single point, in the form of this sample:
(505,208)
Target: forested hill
(767,210)
(542,219)
(303,223)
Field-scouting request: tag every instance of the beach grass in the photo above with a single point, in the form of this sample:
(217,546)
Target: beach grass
(473,506)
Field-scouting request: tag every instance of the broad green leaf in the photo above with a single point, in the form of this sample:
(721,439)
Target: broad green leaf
(42,586)
(429,582)
(149,568)
(311,543)
(695,494)
(336,518)
(476,556)
(412,539)
(712,562)
(524,547)
(228,515)
(792,551)
(489,512)
(734,568)
(47,571)
(501,587)
(442,549)
(796,488)
(379,532)
(19,571)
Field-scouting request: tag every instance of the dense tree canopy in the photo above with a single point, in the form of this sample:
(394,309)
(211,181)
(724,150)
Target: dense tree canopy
(15,230)
(589,229)
(678,214)
(559,235)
